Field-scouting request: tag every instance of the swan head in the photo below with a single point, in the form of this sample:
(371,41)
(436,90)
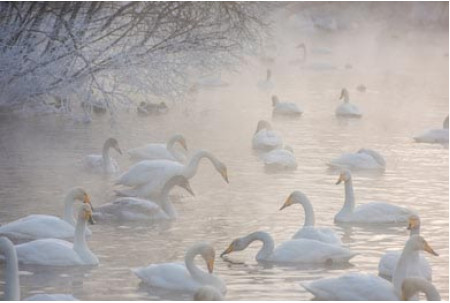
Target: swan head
(417,242)
(275,100)
(181,181)
(206,251)
(263,124)
(413,222)
(112,142)
(222,169)
(412,285)
(85,213)
(180,139)
(78,193)
(295,197)
(345,176)
(236,245)
(344,95)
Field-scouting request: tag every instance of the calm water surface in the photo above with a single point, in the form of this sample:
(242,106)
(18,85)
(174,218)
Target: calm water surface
(407,92)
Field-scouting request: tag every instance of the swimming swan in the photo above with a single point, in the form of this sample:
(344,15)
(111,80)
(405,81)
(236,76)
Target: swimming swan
(309,231)
(160,151)
(347,109)
(12,284)
(265,139)
(185,277)
(103,164)
(439,135)
(137,209)
(285,108)
(298,251)
(369,213)
(280,159)
(364,159)
(35,227)
(266,84)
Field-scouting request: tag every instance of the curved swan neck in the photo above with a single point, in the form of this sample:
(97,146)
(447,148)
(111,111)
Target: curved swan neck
(409,257)
(415,231)
(172,141)
(69,201)
(12,289)
(191,168)
(195,272)
(166,204)
(79,244)
(309,212)
(349,203)
(268,245)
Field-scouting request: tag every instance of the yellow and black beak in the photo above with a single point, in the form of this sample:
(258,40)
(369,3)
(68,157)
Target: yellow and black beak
(341,178)
(188,188)
(117,148)
(224,174)
(228,250)
(87,200)
(210,264)
(183,144)
(412,223)
(287,203)
(430,250)
(88,216)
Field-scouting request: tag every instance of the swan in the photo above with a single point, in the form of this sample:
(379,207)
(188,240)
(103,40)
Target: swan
(57,252)
(35,227)
(280,159)
(265,139)
(285,108)
(298,251)
(185,277)
(149,176)
(388,261)
(12,284)
(363,159)
(136,209)
(411,286)
(369,213)
(266,84)
(309,231)
(157,151)
(439,135)
(367,287)
(208,293)
(347,109)
(103,163)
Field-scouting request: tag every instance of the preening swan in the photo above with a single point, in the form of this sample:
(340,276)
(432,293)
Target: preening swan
(137,209)
(35,227)
(309,231)
(280,159)
(208,293)
(439,135)
(103,163)
(389,260)
(185,277)
(285,108)
(12,284)
(298,251)
(160,151)
(363,159)
(363,287)
(369,213)
(265,139)
(59,252)
(267,83)
(347,109)
(149,176)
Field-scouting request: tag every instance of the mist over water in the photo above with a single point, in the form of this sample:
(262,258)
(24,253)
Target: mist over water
(406,74)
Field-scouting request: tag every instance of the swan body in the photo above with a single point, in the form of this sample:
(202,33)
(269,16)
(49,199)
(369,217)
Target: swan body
(208,293)
(298,251)
(347,109)
(58,252)
(149,176)
(280,159)
(12,285)
(389,260)
(159,151)
(364,159)
(137,209)
(369,213)
(185,277)
(265,139)
(309,231)
(103,164)
(35,227)
(285,108)
(434,135)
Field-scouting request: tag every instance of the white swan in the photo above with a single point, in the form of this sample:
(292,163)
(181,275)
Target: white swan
(413,285)
(57,252)
(309,231)
(347,109)
(285,108)
(185,277)
(439,135)
(158,151)
(389,260)
(35,227)
(208,293)
(136,209)
(298,251)
(12,284)
(369,213)
(280,159)
(363,159)
(265,139)
(149,176)
(365,287)
(266,84)
(103,163)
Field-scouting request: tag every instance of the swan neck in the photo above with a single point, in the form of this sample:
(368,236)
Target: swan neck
(172,142)
(195,272)
(309,213)
(191,169)
(79,243)
(408,258)
(349,203)
(12,290)
(415,231)
(68,210)
(268,245)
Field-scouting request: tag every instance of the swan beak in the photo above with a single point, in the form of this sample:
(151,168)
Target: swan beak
(430,250)
(224,174)
(412,223)
(188,188)
(228,250)
(118,149)
(87,200)
(210,264)
(88,217)
(183,144)
(341,178)
(342,95)
(287,203)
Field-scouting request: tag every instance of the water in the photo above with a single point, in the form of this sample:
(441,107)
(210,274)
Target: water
(407,92)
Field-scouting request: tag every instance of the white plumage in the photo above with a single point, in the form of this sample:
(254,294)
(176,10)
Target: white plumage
(280,159)
(160,151)
(285,108)
(363,159)
(265,139)
(347,109)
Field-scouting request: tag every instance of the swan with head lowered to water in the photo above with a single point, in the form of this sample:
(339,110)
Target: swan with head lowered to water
(369,213)
(183,277)
(35,227)
(347,109)
(103,164)
(149,176)
(363,160)
(160,151)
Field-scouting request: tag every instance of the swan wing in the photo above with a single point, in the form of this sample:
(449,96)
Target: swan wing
(321,234)
(149,170)
(355,161)
(48,252)
(154,151)
(389,260)
(287,108)
(433,136)
(381,212)
(130,209)
(348,109)
(266,140)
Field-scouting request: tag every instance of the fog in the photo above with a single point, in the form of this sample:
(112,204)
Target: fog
(397,51)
